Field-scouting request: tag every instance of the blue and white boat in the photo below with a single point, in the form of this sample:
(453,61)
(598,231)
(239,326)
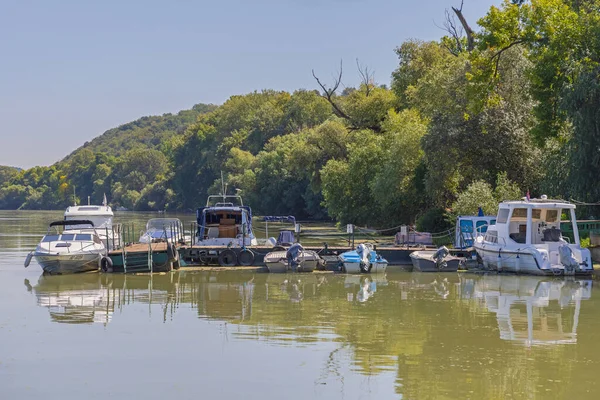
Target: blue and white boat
(227,222)
(363,259)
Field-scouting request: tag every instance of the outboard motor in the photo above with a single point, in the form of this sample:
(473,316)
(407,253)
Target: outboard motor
(364,252)
(439,257)
(567,259)
(293,255)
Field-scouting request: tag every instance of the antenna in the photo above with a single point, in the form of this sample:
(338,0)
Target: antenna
(223,187)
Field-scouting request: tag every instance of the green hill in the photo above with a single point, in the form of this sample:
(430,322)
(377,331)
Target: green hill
(7,173)
(144,132)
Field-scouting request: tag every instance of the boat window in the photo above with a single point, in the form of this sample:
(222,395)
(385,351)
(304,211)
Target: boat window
(50,238)
(536,213)
(492,222)
(481,226)
(519,213)
(67,237)
(551,215)
(84,237)
(466,226)
(63,245)
(502,215)
(491,236)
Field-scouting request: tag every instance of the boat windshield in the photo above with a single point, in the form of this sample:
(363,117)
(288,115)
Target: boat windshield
(162,223)
(69,237)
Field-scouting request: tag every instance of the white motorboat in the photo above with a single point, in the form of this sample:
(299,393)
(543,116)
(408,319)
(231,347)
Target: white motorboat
(363,259)
(225,223)
(164,230)
(72,251)
(295,259)
(101,217)
(527,239)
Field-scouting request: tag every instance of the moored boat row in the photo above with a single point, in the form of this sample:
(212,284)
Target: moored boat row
(525,237)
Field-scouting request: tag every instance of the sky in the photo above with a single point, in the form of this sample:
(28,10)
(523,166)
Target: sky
(72,69)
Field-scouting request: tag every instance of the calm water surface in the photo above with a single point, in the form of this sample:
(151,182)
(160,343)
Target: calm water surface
(233,335)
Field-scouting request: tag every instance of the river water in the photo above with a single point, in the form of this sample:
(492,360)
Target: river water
(239,335)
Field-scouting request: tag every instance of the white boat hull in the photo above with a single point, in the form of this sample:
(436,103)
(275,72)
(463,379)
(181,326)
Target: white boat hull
(68,263)
(523,262)
(352,267)
(276,262)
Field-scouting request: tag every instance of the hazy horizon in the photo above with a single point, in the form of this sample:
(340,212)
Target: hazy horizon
(72,70)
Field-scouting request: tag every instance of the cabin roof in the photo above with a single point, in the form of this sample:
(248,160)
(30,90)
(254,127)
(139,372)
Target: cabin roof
(537,203)
(89,210)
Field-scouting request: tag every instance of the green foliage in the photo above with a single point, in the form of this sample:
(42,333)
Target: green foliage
(7,174)
(480,194)
(435,220)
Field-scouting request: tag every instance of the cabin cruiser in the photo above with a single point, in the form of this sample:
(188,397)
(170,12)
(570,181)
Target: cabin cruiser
(295,259)
(101,217)
(72,251)
(163,230)
(223,223)
(527,239)
(363,259)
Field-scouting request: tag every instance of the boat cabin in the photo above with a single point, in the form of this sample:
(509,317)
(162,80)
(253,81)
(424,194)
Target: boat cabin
(101,216)
(468,227)
(534,222)
(218,224)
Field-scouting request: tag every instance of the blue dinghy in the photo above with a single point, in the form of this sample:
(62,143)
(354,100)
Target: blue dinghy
(363,259)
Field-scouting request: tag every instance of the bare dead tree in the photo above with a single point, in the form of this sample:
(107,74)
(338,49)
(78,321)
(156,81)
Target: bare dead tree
(367,77)
(468,31)
(455,32)
(329,94)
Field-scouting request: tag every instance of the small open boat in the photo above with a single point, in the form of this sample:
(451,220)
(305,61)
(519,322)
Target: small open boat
(363,259)
(438,260)
(295,259)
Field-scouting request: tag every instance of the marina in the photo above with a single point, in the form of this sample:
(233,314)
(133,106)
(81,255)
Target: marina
(369,327)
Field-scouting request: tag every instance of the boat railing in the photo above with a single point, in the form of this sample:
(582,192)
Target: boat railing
(223,200)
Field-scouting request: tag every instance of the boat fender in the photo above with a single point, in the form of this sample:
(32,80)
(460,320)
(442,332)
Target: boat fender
(246,257)
(28,259)
(172,253)
(106,264)
(227,258)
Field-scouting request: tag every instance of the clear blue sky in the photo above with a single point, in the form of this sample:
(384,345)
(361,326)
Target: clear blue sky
(71,69)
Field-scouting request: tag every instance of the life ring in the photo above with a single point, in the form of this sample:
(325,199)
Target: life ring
(28,259)
(106,264)
(246,257)
(227,258)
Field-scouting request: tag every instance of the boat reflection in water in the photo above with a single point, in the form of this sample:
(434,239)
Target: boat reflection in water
(531,310)
(83,299)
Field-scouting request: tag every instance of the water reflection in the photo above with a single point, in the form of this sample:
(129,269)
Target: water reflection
(451,326)
(84,300)
(531,310)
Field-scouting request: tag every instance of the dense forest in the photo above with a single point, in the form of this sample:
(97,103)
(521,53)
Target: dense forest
(486,113)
